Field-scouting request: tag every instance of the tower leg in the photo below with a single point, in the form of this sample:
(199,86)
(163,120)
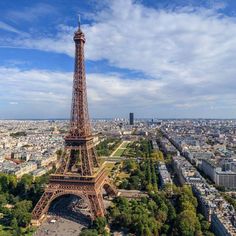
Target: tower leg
(96,205)
(95,201)
(41,208)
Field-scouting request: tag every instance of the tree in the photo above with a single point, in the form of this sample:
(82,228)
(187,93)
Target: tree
(3,200)
(205,225)
(24,185)
(149,188)
(148,172)
(171,211)
(22,213)
(4,181)
(187,223)
(89,232)
(157,156)
(208,234)
(14,223)
(186,205)
(99,224)
(130,165)
(187,196)
(165,228)
(154,176)
(134,182)
(147,232)
(12,183)
(161,216)
(144,217)
(168,189)
(15,227)
(124,184)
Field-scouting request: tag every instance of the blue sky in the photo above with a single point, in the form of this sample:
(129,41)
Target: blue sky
(165,59)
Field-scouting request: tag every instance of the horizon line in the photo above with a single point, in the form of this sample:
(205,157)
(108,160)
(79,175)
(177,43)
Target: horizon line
(137,118)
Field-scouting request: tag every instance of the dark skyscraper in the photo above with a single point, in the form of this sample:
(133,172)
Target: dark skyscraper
(131,118)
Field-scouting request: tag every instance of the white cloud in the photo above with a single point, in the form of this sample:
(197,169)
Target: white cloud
(62,42)
(7,27)
(33,85)
(177,45)
(48,94)
(46,89)
(187,57)
(13,103)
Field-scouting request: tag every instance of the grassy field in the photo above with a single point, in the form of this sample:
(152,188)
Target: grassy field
(109,166)
(121,149)
(119,152)
(101,160)
(124,144)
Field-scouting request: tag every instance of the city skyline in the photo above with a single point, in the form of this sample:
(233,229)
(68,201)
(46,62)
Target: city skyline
(165,60)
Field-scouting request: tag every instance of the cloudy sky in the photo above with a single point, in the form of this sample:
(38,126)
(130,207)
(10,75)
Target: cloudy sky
(156,58)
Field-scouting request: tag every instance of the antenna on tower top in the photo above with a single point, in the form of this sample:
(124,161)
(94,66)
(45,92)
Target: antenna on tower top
(79,20)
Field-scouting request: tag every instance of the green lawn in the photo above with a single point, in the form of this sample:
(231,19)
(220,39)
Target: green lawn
(109,166)
(124,144)
(119,152)
(6,231)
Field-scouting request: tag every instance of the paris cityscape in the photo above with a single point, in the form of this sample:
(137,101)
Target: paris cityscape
(117,118)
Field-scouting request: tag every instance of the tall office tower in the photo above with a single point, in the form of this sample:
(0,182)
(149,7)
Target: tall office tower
(79,172)
(131,118)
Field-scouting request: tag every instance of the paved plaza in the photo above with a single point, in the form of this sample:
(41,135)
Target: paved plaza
(62,227)
(66,217)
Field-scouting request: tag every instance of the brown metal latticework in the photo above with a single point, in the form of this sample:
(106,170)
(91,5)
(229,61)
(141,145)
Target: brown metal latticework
(79,172)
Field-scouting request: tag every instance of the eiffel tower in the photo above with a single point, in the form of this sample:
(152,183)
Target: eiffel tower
(79,172)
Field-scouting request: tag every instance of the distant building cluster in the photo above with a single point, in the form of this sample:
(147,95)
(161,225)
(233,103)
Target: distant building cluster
(29,147)
(208,144)
(167,147)
(224,175)
(220,213)
(120,127)
(198,148)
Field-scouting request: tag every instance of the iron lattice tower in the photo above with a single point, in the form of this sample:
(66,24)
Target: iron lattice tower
(80,137)
(79,172)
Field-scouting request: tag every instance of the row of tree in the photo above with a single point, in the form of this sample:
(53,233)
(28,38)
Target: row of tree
(137,149)
(180,201)
(149,216)
(189,222)
(143,174)
(170,211)
(159,215)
